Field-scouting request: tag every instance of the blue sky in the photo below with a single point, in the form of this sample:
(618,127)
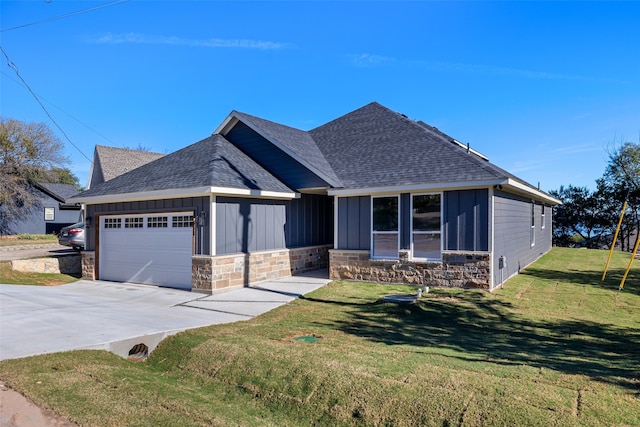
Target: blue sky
(543,89)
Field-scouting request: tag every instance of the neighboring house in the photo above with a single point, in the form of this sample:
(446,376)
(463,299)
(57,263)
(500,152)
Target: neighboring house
(51,212)
(372,195)
(110,162)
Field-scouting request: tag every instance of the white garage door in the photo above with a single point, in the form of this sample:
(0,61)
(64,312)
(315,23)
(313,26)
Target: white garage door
(151,248)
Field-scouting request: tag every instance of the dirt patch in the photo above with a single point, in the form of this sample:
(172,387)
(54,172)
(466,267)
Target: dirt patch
(17,411)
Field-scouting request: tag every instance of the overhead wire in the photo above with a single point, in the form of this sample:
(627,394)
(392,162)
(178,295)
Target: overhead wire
(66,15)
(63,111)
(15,69)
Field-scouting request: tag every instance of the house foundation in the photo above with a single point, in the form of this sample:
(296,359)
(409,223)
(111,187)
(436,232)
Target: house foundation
(456,270)
(210,273)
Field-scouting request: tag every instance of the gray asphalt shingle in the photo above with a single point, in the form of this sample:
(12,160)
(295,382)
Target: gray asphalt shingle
(214,161)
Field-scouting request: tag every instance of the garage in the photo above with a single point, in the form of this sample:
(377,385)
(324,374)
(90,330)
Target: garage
(152,248)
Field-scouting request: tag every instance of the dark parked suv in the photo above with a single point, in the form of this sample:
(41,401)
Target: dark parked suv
(72,235)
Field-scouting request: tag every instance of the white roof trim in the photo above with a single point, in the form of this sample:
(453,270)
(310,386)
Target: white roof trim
(508,184)
(440,186)
(184,192)
(521,188)
(233,119)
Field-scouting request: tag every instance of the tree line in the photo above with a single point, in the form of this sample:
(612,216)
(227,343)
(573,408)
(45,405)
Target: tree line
(589,218)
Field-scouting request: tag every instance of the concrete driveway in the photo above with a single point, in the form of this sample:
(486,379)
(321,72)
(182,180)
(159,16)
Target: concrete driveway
(117,316)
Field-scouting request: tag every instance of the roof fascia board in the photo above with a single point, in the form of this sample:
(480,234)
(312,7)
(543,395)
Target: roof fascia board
(523,189)
(227,124)
(508,184)
(226,127)
(185,192)
(439,186)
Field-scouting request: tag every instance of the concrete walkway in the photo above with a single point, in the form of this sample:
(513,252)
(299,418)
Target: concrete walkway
(117,316)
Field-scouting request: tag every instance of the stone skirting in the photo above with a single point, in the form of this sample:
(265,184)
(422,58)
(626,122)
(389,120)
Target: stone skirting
(68,264)
(457,269)
(89,265)
(211,273)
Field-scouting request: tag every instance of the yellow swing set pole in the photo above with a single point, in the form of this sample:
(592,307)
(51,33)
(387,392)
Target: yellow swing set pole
(615,238)
(633,256)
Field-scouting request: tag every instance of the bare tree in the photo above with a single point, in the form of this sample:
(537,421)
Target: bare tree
(29,152)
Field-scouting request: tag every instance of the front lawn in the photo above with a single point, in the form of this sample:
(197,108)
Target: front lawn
(28,239)
(11,277)
(555,346)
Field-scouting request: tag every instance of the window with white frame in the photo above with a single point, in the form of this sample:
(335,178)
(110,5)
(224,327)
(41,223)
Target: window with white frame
(426,226)
(533,224)
(542,217)
(385,242)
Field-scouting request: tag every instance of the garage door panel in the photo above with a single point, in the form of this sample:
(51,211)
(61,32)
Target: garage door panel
(149,255)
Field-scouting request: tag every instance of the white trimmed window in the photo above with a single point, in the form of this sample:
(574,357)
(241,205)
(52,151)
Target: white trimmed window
(385,237)
(426,224)
(542,218)
(533,224)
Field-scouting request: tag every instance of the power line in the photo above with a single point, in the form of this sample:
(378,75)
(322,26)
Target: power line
(15,68)
(63,111)
(67,15)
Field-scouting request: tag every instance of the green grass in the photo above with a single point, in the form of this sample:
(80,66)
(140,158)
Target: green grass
(10,277)
(28,239)
(555,346)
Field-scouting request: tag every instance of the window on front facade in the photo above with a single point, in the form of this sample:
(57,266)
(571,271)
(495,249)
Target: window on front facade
(385,236)
(425,226)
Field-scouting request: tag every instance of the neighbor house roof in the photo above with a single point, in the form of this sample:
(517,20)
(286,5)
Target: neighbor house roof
(110,162)
(210,165)
(60,192)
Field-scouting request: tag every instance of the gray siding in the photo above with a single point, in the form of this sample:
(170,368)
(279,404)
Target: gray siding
(31,221)
(281,165)
(249,225)
(466,220)
(512,234)
(195,204)
(354,223)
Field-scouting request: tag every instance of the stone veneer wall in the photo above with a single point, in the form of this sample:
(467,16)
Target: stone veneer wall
(89,265)
(457,269)
(67,264)
(225,271)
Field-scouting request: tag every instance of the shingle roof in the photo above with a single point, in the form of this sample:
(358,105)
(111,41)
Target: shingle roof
(117,161)
(377,147)
(59,191)
(214,161)
(298,142)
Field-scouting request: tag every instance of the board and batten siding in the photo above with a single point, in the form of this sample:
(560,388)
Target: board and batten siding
(250,225)
(276,161)
(354,223)
(466,220)
(512,234)
(195,204)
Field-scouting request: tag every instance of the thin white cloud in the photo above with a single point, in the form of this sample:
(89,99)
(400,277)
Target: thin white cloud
(368,60)
(137,38)
(506,71)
